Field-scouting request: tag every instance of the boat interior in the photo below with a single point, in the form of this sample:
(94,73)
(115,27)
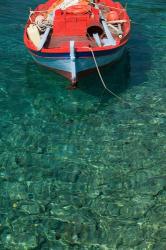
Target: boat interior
(89,23)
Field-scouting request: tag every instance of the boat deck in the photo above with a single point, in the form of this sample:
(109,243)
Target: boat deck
(63,41)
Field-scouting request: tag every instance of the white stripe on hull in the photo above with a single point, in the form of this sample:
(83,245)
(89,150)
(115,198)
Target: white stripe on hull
(82,64)
(88,63)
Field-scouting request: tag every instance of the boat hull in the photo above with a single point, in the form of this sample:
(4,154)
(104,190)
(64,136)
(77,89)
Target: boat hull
(84,62)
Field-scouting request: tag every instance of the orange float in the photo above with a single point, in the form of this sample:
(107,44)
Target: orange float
(84,2)
(78,9)
(54,5)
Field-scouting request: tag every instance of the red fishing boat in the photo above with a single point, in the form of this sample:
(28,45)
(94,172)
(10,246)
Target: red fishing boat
(74,36)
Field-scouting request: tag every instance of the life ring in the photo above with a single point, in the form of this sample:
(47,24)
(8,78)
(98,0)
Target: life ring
(78,9)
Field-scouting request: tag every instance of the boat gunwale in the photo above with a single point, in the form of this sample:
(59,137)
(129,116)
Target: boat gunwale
(66,50)
(79,53)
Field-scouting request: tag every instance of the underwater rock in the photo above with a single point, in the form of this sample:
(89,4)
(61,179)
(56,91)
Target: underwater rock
(19,241)
(16,190)
(132,236)
(30,208)
(159,245)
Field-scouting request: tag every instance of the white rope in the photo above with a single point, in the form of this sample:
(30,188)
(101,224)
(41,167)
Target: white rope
(110,7)
(41,22)
(101,78)
(38,11)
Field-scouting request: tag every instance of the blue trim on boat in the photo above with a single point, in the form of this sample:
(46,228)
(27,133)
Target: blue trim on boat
(78,54)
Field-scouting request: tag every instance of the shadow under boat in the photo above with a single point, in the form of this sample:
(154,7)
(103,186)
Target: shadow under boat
(116,77)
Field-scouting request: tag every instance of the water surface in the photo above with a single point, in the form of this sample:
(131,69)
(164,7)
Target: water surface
(79,169)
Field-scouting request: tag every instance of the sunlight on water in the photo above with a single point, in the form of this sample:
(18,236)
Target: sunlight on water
(79,169)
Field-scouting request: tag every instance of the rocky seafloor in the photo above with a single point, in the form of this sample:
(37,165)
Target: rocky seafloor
(80,169)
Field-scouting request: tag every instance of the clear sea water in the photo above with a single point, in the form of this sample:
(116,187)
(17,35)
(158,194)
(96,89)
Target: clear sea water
(79,169)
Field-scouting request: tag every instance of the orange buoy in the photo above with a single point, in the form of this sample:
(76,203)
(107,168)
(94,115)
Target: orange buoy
(112,16)
(84,2)
(54,5)
(78,9)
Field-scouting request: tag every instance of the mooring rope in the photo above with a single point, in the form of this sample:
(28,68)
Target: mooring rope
(102,80)
(110,91)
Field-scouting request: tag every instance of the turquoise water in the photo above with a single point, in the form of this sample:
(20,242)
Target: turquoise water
(79,169)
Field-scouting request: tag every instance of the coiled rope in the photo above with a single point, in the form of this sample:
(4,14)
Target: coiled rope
(102,80)
(41,22)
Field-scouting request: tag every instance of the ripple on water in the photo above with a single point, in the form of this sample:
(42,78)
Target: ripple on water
(79,169)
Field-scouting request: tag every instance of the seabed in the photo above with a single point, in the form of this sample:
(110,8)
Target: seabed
(79,169)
